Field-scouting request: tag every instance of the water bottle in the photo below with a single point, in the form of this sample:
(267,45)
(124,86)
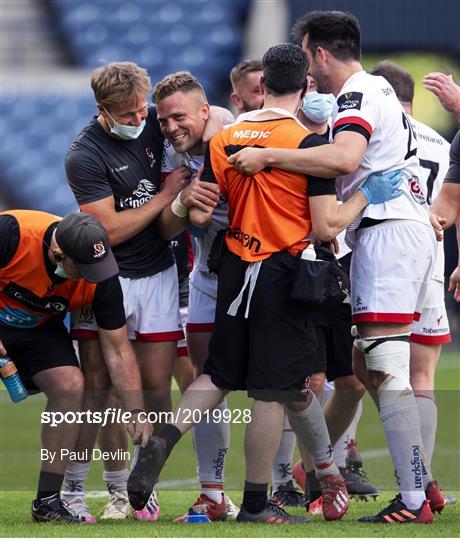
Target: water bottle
(11,379)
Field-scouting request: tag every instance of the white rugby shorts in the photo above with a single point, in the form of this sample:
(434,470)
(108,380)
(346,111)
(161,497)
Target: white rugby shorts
(391,269)
(151,308)
(433,326)
(201,302)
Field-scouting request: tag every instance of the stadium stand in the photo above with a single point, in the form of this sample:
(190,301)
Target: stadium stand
(202,36)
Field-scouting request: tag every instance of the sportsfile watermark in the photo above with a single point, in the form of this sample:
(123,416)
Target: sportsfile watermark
(34,437)
(113,415)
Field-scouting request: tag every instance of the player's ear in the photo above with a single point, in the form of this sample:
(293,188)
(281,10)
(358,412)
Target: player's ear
(205,111)
(236,100)
(262,84)
(321,55)
(305,88)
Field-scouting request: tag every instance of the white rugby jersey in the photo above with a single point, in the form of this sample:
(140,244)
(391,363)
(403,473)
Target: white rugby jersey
(433,155)
(171,161)
(368,104)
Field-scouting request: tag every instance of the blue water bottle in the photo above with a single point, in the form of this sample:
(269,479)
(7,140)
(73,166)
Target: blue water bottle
(11,379)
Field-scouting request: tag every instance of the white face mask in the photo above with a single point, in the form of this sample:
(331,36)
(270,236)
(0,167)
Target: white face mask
(127,133)
(318,107)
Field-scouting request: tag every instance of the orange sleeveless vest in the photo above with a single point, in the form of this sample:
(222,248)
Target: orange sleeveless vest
(28,297)
(268,211)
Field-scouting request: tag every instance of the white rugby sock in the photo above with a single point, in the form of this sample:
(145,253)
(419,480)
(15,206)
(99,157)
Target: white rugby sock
(117,481)
(327,392)
(310,427)
(428,411)
(282,465)
(211,440)
(340,450)
(74,485)
(352,428)
(341,446)
(401,423)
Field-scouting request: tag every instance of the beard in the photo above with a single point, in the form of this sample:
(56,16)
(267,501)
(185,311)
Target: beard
(323,84)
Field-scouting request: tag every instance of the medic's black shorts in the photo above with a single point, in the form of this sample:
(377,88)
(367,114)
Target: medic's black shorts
(36,349)
(272,352)
(332,323)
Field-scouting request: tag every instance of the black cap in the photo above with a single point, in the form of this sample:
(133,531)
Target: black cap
(82,238)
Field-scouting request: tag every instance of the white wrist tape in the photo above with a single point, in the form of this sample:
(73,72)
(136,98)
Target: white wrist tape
(178,208)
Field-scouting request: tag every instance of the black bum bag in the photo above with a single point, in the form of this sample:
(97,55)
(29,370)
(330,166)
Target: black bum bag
(317,281)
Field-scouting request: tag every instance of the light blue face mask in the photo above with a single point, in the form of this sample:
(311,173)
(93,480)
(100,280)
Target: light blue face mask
(127,133)
(318,107)
(61,272)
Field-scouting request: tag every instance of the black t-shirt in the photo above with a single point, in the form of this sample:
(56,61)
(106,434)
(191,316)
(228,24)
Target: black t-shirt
(182,246)
(107,304)
(453,174)
(100,166)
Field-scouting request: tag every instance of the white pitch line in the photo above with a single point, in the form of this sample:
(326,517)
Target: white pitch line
(170,484)
(376,453)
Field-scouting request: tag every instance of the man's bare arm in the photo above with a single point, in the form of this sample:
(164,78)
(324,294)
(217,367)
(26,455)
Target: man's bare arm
(445,209)
(454,281)
(447,91)
(122,367)
(122,226)
(329,218)
(326,161)
(198,199)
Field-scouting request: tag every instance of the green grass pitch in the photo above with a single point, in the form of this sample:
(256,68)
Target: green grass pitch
(19,465)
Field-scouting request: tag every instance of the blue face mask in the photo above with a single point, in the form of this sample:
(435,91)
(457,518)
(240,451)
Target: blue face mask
(127,133)
(61,272)
(318,107)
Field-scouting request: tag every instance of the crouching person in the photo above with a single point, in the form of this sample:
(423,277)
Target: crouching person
(50,266)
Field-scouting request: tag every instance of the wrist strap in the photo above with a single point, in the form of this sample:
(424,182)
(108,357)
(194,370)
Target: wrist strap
(178,208)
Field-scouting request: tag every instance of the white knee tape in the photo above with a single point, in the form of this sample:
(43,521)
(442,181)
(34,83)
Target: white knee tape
(388,354)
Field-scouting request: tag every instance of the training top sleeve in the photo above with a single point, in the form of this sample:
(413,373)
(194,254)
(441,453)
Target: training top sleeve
(316,185)
(453,174)
(170,160)
(108,308)
(355,112)
(9,234)
(87,176)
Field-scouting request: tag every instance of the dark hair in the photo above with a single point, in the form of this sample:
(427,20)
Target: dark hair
(399,78)
(335,31)
(240,71)
(285,69)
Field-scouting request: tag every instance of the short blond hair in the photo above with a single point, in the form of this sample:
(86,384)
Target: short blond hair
(118,82)
(182,81)
(239,72)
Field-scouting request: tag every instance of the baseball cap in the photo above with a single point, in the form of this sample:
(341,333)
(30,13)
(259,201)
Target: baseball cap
(83,238)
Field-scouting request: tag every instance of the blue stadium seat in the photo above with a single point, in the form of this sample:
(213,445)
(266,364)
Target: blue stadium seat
(40,128)
(162,36)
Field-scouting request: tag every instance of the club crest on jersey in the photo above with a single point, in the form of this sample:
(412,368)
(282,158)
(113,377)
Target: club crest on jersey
(349,100)
(86,315)
(306,386)
(150,157)
(416,190)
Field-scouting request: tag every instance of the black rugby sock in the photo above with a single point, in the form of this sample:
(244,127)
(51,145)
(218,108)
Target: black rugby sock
(254,497)
(171,435)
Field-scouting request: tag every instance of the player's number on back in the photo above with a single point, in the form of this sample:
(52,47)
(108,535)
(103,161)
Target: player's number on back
(411,148)
(433,167)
